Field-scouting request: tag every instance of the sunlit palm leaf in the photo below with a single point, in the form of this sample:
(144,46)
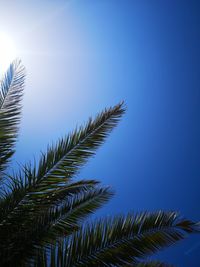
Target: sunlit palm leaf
(11,90)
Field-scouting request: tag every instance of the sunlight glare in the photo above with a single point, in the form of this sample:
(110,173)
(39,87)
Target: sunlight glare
(7,52)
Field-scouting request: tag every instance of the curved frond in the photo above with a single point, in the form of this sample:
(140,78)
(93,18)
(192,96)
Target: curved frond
(77,208)
(11,90)
(124,240)
(82,198)
(36,190)
(10,199)
(62,161)
(65,220)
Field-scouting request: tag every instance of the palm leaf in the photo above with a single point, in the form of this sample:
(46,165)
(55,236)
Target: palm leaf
(10,199)
(67,219)
(82,199)
(11,90)
(71,214)
(64,160)
(42,209)
(38,189)
(61,162)
(124,240)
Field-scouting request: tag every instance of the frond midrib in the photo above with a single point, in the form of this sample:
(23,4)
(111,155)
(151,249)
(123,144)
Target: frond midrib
(72,149)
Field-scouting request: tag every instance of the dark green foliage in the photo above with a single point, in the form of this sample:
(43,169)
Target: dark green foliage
(125,239)
(42,210)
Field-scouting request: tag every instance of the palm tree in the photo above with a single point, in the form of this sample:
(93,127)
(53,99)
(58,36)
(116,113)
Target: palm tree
(42,210)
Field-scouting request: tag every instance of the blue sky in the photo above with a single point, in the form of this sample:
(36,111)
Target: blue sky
(82,56)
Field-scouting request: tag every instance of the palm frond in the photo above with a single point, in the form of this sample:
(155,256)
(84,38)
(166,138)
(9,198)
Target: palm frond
(82,199)
(70,215)
(10,199)
(124,240)
(36,190)
(62,161)
(65,220)
(42,209)
(11,90)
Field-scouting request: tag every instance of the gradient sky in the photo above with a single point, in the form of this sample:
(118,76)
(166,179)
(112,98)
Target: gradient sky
(84,55)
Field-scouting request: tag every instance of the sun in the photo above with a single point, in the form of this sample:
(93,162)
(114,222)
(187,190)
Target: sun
(7,52)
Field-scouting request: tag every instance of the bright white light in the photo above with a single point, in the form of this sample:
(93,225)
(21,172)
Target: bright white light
(7,52)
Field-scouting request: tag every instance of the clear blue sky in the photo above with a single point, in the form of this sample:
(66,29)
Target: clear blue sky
(84,55)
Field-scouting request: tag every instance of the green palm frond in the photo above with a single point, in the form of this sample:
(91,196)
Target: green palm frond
(64,160)
(70,215)
(58,258)
(126,239)
(65,220)
(11,199)
(11,90)
(58,221)
(35,191)
(42,210)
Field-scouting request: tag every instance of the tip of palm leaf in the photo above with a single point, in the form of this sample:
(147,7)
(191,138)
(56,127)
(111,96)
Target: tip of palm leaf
(189,226)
